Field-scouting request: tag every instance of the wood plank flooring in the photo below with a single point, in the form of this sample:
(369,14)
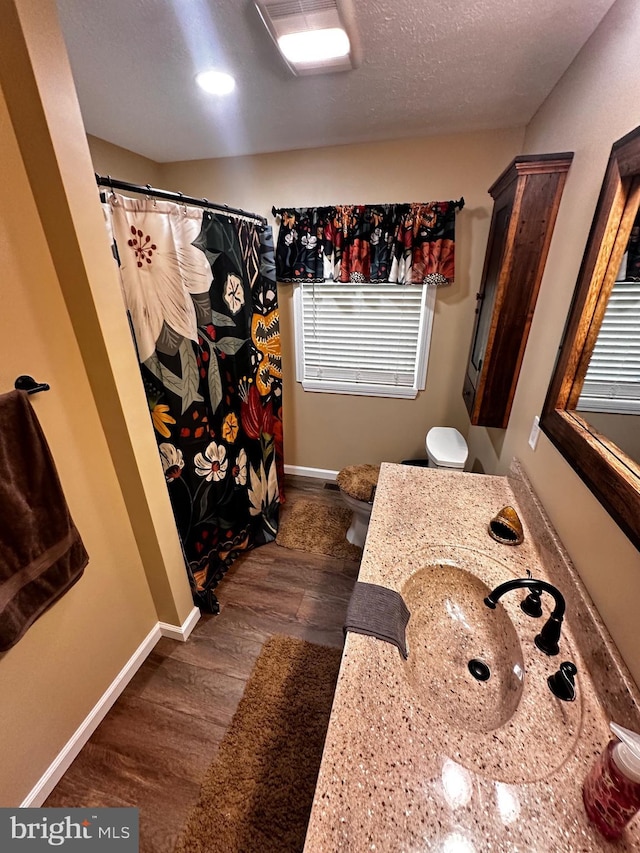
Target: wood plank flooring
(156,743)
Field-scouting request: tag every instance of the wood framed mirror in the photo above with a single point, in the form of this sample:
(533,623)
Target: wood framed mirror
(590,433)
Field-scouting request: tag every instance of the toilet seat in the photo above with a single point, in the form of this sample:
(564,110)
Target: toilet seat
(446,447)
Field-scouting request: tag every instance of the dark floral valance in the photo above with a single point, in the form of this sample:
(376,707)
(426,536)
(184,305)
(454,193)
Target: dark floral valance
(400,243)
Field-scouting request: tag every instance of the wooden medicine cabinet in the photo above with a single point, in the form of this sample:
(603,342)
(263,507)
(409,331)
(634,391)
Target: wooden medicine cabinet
(526,200)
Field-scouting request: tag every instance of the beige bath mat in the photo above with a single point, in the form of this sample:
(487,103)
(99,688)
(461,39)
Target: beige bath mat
(317,527)
(257,795)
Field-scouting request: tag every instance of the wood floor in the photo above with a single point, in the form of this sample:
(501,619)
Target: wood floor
(156,743)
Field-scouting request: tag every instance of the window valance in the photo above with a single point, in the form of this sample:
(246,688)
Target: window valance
(398,243)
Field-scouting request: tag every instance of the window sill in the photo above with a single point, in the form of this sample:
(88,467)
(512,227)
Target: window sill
(361,390)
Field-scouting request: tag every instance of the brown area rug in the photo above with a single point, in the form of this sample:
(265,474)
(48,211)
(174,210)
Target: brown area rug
(317,527)
(257,794)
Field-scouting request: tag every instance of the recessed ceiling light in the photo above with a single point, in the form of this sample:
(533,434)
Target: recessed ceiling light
(314,45)
(216,82)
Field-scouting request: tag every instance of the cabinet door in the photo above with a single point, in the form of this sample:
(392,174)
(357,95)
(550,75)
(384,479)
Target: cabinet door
(526,199)
(486,296)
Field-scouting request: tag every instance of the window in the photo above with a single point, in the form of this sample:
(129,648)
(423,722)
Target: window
(612,381)
(370,339)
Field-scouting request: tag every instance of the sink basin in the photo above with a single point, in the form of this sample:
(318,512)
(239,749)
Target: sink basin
(487,725)
(448,613)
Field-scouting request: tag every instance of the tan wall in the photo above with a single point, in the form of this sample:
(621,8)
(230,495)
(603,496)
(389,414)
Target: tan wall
(54,676)
(333,430)
(62,320)
(43,106)
(595,103)
(120,163)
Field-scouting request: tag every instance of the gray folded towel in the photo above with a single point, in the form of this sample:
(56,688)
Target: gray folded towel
(379,612)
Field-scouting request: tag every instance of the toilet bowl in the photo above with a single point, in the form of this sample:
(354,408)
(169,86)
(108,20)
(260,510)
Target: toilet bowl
(357,484)
(446,448)
(357,532)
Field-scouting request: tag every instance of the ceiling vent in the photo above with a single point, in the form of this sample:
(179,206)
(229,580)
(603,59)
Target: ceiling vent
(283,18)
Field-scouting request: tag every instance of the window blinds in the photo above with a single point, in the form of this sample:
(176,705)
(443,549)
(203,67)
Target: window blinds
(612,381)
(367,334)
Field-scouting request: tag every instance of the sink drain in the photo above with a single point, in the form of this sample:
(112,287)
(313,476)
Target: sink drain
(479,670)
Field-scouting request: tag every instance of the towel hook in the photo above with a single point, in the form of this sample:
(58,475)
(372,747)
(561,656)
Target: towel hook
(29,384)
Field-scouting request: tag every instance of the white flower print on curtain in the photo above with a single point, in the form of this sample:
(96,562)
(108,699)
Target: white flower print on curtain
(233,293)
(159,266)
(212,464)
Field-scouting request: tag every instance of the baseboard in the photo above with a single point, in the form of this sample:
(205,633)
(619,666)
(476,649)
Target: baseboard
(319,473)
(69,752)
(180,632)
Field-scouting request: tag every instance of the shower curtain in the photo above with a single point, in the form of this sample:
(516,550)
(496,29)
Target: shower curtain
(201,296)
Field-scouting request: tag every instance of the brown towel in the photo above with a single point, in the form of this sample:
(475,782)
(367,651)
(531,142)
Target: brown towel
(41,553)
(379,612)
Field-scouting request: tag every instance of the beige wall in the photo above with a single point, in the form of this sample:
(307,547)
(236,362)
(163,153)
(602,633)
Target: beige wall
(333,430)
(43,105)
(109,159)
(595,103)
(54,676)
(62,320)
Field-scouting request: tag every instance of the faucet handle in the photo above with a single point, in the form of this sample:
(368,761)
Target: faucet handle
(532,605)
(562,682)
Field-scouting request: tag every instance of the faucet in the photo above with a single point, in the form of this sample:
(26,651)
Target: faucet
(547,639)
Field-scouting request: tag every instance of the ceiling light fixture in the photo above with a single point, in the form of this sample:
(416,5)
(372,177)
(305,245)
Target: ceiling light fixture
(314,45)
(313,36)
(216,82)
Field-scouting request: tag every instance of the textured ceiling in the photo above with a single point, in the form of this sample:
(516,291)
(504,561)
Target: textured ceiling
(429,67)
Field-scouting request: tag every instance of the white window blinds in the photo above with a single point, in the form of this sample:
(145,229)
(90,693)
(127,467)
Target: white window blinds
(612,381)
(363,338)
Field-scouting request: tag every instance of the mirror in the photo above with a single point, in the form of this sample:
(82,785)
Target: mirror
(592,409)
(610,395)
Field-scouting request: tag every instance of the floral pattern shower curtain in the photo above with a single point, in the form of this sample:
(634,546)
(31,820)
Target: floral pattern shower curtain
(201,295)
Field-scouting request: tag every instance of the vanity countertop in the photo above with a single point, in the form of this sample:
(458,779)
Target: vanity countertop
(401,773)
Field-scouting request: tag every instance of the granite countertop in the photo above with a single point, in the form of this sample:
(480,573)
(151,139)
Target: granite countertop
(416,759)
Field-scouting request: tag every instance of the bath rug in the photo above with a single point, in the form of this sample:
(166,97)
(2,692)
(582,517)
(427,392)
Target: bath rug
(319,528)
(258,792)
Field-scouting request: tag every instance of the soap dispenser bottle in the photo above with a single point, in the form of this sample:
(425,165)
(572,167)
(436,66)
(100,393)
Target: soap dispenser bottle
(611,791)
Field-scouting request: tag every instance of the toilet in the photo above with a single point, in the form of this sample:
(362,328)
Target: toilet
(357,484)
(446,448)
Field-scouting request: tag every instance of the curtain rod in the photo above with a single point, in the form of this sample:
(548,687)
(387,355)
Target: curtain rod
(278,211)
(179,198)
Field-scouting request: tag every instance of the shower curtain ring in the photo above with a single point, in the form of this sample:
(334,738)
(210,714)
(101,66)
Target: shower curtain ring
(112,197)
